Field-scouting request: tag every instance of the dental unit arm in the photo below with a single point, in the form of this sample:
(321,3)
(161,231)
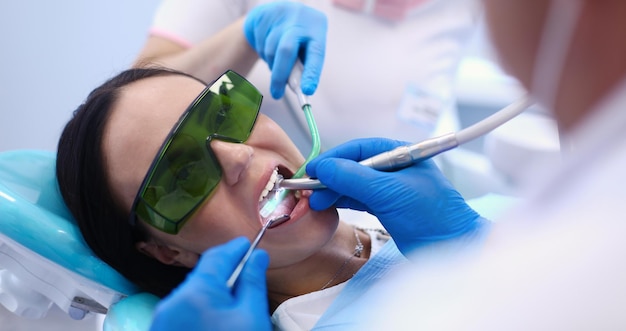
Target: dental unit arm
(407,155)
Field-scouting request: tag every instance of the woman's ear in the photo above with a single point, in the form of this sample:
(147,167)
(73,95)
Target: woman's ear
(168,255)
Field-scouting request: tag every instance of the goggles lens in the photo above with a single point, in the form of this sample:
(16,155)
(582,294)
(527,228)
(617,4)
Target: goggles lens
(185,171)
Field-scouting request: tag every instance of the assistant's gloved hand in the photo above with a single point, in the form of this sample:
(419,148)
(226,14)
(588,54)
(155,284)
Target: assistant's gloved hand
(415,204)
(204,302)
(280,32)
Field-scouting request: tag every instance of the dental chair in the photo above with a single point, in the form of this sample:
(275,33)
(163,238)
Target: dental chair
(43,258)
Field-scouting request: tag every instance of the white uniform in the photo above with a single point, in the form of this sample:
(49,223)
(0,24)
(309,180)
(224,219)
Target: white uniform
(557,262)
(380,78)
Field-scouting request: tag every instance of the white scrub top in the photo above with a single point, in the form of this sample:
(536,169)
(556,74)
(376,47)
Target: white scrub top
(380,77)
(557,262)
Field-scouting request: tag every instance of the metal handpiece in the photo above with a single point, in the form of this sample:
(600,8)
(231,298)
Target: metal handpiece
(270,224)
(395,159)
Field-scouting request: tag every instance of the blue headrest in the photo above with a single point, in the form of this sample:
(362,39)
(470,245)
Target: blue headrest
(32,213)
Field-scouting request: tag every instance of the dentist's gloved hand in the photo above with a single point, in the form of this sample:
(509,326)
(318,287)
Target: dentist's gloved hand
(204,302)
(280,32)
(415,204)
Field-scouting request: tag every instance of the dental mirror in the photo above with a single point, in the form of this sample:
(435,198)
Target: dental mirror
(273,222)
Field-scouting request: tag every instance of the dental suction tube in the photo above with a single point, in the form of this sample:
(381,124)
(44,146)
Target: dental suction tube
(404,156)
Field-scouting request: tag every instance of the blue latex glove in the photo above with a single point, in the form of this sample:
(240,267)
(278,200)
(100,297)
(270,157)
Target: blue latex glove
(415,204)
(204,302)
(280,32)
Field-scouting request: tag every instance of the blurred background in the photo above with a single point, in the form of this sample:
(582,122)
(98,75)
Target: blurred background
(54,54)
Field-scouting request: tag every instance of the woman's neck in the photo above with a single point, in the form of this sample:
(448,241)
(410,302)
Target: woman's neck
(335,263)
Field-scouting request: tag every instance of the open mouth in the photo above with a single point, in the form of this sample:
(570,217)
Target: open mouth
(275,201)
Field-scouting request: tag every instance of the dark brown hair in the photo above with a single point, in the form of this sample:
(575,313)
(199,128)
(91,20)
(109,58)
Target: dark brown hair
(82,177)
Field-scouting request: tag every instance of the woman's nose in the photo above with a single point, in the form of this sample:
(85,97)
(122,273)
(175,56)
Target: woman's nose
(234,159)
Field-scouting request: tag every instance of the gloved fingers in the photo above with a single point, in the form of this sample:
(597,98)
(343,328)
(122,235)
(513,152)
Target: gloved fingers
(259,46)
(201,302)
(270,47)
(217,263)
(251,289)
(252,278)
(255,32)
(347,202)
(313,64)
(323,199)
(357,150)
(278,31)
(285,58)
(348,178)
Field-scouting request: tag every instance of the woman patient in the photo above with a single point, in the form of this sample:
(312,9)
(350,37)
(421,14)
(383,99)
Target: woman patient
(149,202)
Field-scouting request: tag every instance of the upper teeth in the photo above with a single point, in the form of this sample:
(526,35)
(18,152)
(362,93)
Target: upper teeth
(270,184)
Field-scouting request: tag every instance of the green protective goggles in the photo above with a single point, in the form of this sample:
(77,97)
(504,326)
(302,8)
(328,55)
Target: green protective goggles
(185,171)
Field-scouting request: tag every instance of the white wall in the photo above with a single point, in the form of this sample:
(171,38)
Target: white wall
(54,53)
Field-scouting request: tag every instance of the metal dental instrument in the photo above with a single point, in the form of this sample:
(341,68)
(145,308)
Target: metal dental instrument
(270,224)
(294,84)
(407,155)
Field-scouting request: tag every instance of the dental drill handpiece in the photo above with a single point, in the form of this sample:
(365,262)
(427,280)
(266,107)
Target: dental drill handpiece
(395,159)
(404,156)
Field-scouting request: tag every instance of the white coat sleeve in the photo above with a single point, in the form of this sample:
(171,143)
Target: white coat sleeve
(188,22)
